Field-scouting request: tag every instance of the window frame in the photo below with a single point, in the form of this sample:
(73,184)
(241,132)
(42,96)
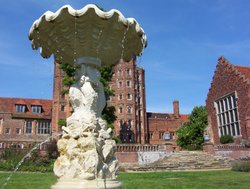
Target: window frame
(20,108)
(43,127)
(28,126)
(7,129)
(227,115)
(36,109)
(161,135)
(18,131)
(128,83)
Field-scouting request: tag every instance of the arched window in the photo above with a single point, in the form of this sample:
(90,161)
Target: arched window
(120,109)
(129,109)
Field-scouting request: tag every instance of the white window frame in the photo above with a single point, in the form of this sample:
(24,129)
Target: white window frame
(128,71)
(28,126)
(129,110)
(129,96)
(19,131)
(20,108)
(120,109)
(119,72)
(128,83)
(44,127)
(9,131)
(227,115)
(119,84)
(161,135)
(36,109)
(120,96)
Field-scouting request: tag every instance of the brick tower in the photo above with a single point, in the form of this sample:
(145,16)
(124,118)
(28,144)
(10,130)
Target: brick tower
(61,107)
(128,83)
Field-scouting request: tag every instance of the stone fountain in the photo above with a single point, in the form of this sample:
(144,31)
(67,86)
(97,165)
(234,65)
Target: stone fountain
(87,38)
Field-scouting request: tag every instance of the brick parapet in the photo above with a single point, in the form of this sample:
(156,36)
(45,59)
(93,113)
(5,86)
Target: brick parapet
(137,148)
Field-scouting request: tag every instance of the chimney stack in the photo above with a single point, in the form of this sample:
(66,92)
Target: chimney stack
(176,108)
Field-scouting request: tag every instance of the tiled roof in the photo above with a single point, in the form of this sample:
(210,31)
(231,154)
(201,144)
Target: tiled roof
(7,105)
(168,116)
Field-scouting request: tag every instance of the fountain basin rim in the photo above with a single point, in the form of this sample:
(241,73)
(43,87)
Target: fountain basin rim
(86,184)
(110,36)
(51,16)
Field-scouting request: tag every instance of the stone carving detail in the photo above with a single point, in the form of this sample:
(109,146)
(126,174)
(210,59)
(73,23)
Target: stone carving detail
(87,151)
(86,148)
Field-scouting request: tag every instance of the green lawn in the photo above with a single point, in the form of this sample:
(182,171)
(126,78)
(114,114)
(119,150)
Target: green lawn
(148,180)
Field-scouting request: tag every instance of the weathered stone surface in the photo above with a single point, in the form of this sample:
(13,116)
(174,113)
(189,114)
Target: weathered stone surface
(86,150)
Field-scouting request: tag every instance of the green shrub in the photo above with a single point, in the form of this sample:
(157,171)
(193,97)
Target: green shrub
(243,166)
(225,139)
(117,140)
(62,122)
(10,158)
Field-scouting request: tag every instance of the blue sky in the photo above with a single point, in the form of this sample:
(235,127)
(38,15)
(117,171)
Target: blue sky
(185,39)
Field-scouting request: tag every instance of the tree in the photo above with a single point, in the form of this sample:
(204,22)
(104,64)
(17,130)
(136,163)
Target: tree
(190,135)
(108,112)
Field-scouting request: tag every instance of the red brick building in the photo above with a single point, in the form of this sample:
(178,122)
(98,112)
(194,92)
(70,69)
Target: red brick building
(20,125)
(60,103)
(163,126)
(24,121)
(128,82)
(228,102)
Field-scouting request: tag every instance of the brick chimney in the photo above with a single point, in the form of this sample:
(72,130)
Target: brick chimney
(176,108)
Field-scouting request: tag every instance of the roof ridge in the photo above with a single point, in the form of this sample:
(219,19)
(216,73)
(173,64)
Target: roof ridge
(224,62)
(20,98)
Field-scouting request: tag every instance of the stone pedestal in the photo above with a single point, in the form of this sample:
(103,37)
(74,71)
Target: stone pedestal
(84,39)
(87,184)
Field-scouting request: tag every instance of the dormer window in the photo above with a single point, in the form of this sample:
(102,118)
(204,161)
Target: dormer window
(36,109)
(20,108)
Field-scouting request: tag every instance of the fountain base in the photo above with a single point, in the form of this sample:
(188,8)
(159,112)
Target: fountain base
(87,184)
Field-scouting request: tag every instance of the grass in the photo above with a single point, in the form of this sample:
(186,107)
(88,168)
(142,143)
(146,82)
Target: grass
(147,180)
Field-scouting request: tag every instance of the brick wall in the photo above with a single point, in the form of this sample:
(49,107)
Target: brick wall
(132,154)
(228,79)
(13,124)
(164,123)
(130,126)
(233,151)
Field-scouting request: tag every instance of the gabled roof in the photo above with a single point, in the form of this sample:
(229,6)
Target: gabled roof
(244,70)
(241,71)
(238,71)
(7,105)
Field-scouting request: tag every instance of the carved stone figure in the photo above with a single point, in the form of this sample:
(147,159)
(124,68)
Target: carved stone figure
(87,152)
(85,38)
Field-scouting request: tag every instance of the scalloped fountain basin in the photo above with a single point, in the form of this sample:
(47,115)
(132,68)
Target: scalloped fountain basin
(88,32)
(87,38)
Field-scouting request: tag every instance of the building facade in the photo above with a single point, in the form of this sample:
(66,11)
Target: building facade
(228,102)
(24,122)
(163,126)
(128,84)
(60,103)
